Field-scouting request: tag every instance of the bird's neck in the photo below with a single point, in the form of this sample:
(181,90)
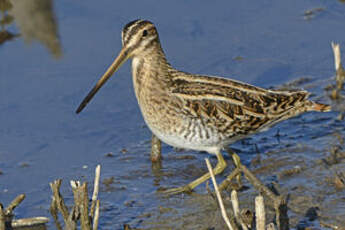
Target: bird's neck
(150,68)
(151,59)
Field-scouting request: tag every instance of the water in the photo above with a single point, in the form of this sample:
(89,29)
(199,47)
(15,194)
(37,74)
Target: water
(267,43)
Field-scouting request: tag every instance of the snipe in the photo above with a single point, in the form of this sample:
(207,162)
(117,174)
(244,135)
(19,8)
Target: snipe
(193,111)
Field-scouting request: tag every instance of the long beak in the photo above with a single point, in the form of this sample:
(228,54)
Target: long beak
(121,58)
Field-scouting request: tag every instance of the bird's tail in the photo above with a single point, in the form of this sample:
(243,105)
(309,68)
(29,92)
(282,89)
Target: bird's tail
(313,106)
(310,105)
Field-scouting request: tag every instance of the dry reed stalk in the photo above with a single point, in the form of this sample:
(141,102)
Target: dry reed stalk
(219,197)
(80,210)
(236,208)
(260,213)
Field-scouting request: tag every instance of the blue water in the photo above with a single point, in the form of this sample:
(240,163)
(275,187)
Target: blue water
(41,137)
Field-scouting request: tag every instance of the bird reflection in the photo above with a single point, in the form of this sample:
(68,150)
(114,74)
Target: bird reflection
(6,20)
(36,21)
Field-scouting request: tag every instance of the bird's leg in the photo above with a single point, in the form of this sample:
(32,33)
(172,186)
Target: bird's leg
(237,162)
(189,187)
(156,149)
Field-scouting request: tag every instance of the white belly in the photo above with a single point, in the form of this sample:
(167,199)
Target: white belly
(193,138)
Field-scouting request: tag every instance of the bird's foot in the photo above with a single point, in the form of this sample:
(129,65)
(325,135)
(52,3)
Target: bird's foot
(237,162)
(173,191)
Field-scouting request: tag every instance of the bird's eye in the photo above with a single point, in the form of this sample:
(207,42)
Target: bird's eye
(145,33)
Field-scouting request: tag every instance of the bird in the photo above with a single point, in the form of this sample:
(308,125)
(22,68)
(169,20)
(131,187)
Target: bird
(193,111)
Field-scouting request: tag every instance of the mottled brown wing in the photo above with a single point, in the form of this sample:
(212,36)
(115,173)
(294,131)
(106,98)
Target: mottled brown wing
(233,105)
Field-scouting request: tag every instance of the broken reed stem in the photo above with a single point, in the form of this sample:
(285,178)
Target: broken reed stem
(260,213)
(85,221)
(2,218)
(282,218)
(54,212)
(7,221)
(6,214)
(279,202)
(337,56)
(96,217)
(14,204)
(235,203)
(95,190)
(236,208)
(80,210)
(340,72)
(219,197)
(72,219)
(60,203)
(81,203)
(27,222)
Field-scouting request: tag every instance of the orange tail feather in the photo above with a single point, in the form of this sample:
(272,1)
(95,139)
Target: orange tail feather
(319,107)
